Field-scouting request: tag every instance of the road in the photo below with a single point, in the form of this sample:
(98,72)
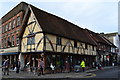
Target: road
(105,74)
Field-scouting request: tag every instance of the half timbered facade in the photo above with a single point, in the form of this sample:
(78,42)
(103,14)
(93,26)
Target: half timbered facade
(45,36)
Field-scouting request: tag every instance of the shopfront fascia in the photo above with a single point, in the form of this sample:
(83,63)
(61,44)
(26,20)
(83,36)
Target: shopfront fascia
(9,53)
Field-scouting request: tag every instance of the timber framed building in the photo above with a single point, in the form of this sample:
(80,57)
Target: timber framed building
(57,41)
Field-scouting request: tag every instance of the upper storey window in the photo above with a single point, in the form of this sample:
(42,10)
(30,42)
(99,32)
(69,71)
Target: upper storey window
(75,44)
(10,24)
(2,29)
(58,40)
(7,27)
(18,21)
(13,26)
(31,41)
(86,47)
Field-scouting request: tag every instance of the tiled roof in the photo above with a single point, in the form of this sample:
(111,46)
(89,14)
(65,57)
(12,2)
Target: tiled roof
(55,25)
(100,38)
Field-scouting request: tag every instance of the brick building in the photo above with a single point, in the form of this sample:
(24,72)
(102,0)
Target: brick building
(10,28)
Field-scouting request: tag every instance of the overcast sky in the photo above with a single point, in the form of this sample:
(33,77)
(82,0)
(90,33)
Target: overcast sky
(96,15)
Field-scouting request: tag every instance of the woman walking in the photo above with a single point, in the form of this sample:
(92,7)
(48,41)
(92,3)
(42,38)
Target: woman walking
(40,67)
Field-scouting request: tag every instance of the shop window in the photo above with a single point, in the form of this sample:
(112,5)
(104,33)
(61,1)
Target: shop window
(75,44)
(18,21)
(58,40)
(31,40)
(13,40)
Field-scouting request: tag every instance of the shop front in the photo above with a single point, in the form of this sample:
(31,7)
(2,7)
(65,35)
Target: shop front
(66,62)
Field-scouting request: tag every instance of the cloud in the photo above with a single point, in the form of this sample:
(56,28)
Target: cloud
(96,15)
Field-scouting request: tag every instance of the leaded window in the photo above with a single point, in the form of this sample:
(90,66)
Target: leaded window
(31,40)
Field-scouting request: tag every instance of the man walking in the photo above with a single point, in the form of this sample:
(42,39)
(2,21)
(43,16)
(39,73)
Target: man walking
(6,66)
(83,65)
(17,66)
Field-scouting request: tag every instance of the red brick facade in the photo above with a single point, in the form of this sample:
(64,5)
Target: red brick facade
(9,31)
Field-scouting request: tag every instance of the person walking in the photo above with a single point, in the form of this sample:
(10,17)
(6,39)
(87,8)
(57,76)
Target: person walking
(6,66)
(83,65)
(18,63)
(40,66)
(3,64)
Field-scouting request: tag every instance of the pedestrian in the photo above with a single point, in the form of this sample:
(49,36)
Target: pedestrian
(3,64)
(52,67)
(6,66)
(67,66)
(83,65)
(18,63)
(40,66)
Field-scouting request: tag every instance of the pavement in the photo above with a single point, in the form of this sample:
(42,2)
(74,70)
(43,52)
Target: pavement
(86,74)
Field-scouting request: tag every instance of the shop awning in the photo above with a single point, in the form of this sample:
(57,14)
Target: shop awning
(11,53)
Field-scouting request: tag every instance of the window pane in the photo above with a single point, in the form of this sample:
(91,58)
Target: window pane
(75,44)
(18,21)
(58,40)
(9,25)
(31,40)
(13,26)
(4,42)
(2,29)
(17,39)
(13,40)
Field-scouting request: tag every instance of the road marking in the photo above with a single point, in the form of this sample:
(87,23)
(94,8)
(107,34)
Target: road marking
(91,75)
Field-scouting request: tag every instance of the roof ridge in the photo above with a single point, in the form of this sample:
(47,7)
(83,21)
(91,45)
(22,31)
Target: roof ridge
(57,17)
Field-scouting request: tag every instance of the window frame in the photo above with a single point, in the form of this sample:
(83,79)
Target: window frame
(31,40)
(13,40)
(18,22)
(17,39)
(75,43)
(58,40)
(13,23)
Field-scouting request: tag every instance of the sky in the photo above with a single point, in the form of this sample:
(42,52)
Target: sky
(96,15)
